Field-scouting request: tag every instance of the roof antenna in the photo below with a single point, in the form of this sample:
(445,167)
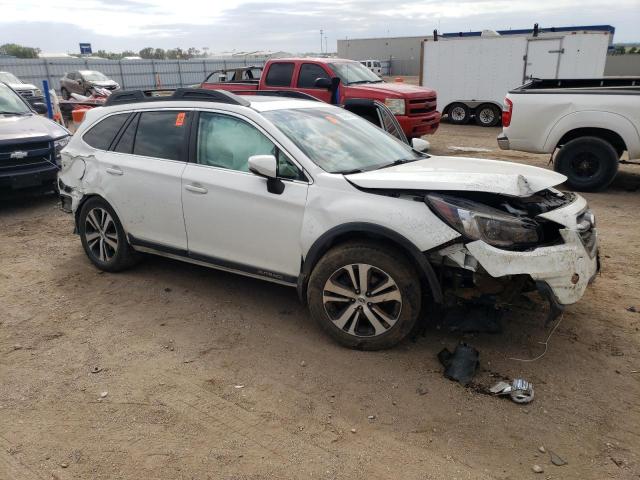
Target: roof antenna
(535,30)
(435,35)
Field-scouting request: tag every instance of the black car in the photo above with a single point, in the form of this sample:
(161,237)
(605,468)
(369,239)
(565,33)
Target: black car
(29,144)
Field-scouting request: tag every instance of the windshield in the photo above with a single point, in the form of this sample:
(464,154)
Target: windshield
(95,76)
(339,141)
(354,72)
(11,102)
(9,78)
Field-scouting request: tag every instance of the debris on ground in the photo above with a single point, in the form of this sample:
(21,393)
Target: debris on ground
(541,449)
(353,430)
(303,363)
(64,464)
(96,369)
(537,469)
(632,308)
(239,386)
(461,365)
(469,149)
(557,459)
(519,390)
(371,417)
(422,390)
(104,394)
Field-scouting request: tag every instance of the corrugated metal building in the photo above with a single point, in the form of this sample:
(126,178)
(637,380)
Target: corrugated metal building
(403,53)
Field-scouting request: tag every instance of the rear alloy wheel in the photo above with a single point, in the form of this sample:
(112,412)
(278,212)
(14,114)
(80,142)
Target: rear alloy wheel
(488,115)
(103,237)
(459,114)
(365,296)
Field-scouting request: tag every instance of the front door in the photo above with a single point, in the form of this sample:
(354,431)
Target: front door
(232,220)
(543,57)
(307,76)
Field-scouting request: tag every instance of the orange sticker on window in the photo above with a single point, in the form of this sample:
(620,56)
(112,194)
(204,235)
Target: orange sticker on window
(180,119)
(332,119)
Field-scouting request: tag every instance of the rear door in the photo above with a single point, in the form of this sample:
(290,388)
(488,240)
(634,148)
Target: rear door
(307,76)
(543,58)
(142,176)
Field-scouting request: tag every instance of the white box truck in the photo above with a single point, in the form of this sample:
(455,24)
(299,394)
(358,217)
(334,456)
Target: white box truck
(472,74)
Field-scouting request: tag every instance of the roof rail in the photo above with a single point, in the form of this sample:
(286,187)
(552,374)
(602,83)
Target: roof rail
(278,93)
(167,95)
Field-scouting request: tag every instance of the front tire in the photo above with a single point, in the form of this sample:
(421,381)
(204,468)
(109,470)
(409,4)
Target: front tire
(103,238)
(590,163)
(365,295)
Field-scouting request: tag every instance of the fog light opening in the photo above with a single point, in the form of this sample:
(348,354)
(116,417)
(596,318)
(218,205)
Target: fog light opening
(575,278)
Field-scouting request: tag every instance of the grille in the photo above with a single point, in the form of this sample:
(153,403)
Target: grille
(26,93)
(420,106)
(36,154)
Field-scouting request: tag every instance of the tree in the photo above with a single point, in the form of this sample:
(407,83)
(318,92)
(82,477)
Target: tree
(19,51)
(146,53)
(633,50)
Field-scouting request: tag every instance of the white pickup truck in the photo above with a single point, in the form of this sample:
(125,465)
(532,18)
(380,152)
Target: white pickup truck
(587,125)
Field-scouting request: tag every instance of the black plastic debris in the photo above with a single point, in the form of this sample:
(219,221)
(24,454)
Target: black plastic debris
(461,365)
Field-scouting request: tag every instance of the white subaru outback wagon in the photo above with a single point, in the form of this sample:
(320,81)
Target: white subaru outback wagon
(306,194)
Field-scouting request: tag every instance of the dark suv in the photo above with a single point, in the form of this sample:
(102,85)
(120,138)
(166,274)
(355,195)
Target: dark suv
(29,144)
(81,82)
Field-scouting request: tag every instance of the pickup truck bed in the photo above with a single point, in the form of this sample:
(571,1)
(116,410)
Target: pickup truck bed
(587,124)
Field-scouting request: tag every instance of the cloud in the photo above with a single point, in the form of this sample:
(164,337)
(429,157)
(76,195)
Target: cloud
(286,24)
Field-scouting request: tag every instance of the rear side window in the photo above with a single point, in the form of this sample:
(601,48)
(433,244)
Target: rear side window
(309,73)
(125,143)
(279,75)
(161,134)
(101,135)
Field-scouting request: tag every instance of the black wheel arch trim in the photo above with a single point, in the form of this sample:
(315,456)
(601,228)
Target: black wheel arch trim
(324,242)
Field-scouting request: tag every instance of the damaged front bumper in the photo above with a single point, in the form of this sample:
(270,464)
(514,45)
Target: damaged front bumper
(561,272)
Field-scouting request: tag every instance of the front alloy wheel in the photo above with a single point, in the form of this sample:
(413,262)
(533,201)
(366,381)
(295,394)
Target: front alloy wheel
(362,300)
(366,295)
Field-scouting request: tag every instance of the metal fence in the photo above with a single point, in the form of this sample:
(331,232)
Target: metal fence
(130,74)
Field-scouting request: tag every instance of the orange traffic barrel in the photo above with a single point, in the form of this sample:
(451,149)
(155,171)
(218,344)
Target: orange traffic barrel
(399,79)
(78,114)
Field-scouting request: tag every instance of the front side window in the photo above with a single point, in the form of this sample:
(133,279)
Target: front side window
(279,75)
(228,142)
(102,134)
(10,78)
(71,75)
(309,73)
(339,141)
(161,134)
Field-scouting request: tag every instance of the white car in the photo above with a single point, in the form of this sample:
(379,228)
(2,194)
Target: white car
(306,194)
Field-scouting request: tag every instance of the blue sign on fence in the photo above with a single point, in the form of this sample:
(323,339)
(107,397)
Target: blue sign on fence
(85,49)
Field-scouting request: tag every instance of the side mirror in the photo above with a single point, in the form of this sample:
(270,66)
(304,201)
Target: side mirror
(323,83)
(263,165)
(420,145)
(40,108)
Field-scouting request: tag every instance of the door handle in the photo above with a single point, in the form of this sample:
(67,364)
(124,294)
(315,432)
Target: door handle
(196,189)
(114,171)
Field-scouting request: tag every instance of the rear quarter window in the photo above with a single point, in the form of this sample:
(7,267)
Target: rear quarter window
(162,134)
(279,75)
(102,134)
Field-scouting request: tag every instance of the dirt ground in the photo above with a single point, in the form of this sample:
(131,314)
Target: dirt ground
(208,375)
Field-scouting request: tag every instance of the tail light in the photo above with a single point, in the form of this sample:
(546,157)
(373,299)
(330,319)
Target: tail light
(507,111)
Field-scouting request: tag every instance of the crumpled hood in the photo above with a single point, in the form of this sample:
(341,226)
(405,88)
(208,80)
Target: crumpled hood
(462,174)
(103,83)
(401,89)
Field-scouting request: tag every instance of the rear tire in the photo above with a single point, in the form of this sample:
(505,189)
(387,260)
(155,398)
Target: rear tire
(365,295)
(590,163)
(488,115)
(103,238)
(459,113)
(65,93)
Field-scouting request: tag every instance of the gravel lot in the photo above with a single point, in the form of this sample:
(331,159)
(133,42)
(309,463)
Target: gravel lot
(204,375)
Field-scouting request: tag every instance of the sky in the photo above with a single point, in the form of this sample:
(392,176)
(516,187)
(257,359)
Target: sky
(286,25)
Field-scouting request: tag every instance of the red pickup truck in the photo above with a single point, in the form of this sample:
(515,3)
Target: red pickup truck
(336,80)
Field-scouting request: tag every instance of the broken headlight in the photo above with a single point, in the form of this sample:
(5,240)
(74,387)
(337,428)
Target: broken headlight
(481,222)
